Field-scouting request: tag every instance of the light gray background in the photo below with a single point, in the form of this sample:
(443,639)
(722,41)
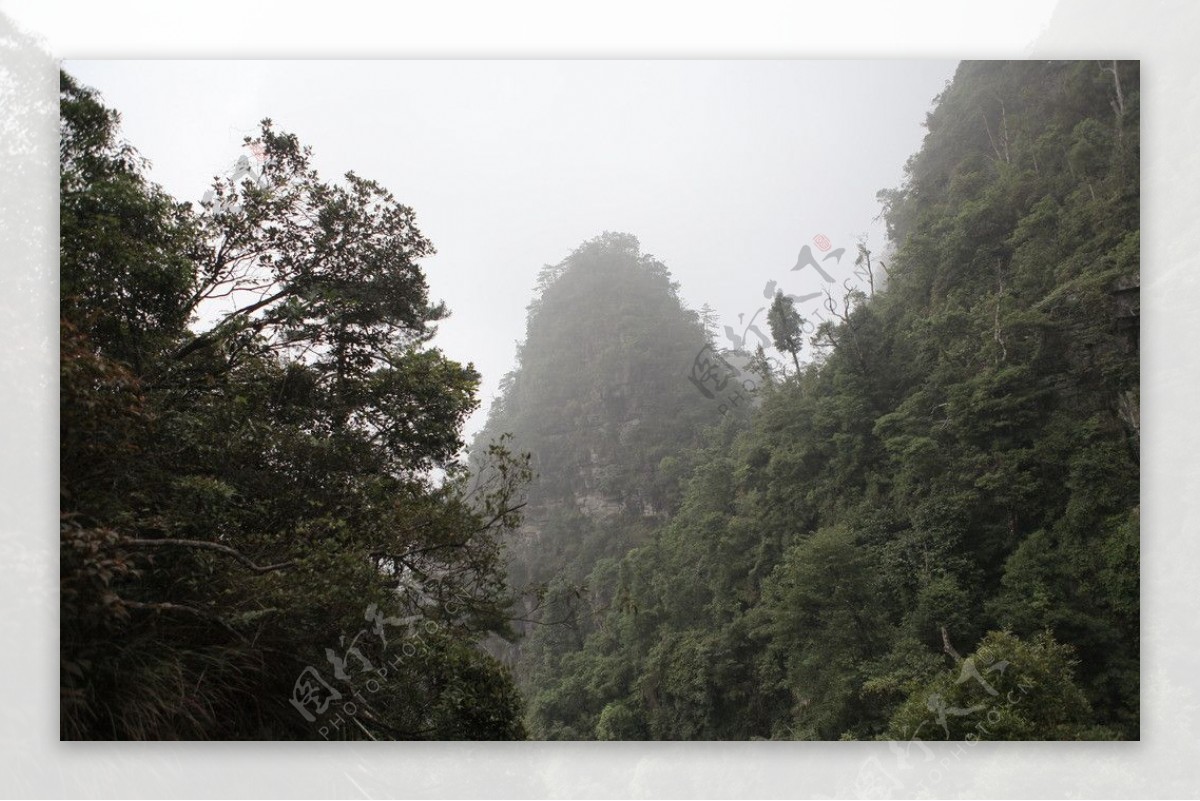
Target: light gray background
(34,763)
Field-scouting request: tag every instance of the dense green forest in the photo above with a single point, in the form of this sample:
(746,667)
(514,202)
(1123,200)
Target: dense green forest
(919,521)
(252,543)
(928,529)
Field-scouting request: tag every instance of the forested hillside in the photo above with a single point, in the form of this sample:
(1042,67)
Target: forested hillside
(929,530)
(598,401)
(917,519)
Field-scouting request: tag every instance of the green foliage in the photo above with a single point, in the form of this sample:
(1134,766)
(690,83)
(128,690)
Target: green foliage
(961,458)
(1009,689)
(237,499)
(957,468)
(786,326)
(127,248)
(822,619)
(601,400)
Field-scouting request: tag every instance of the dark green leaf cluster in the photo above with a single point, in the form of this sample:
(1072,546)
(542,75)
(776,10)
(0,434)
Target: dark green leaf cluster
(265,532)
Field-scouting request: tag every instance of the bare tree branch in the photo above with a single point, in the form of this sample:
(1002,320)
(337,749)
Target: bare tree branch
(164,606)
(948,648)
(211,546)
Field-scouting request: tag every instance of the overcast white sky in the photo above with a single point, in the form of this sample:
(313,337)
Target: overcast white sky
(723,169)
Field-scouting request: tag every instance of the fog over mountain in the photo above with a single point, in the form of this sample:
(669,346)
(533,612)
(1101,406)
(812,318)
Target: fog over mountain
(723,169)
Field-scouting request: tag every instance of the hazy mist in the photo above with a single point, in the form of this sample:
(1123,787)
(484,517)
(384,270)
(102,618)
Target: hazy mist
(723,169)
